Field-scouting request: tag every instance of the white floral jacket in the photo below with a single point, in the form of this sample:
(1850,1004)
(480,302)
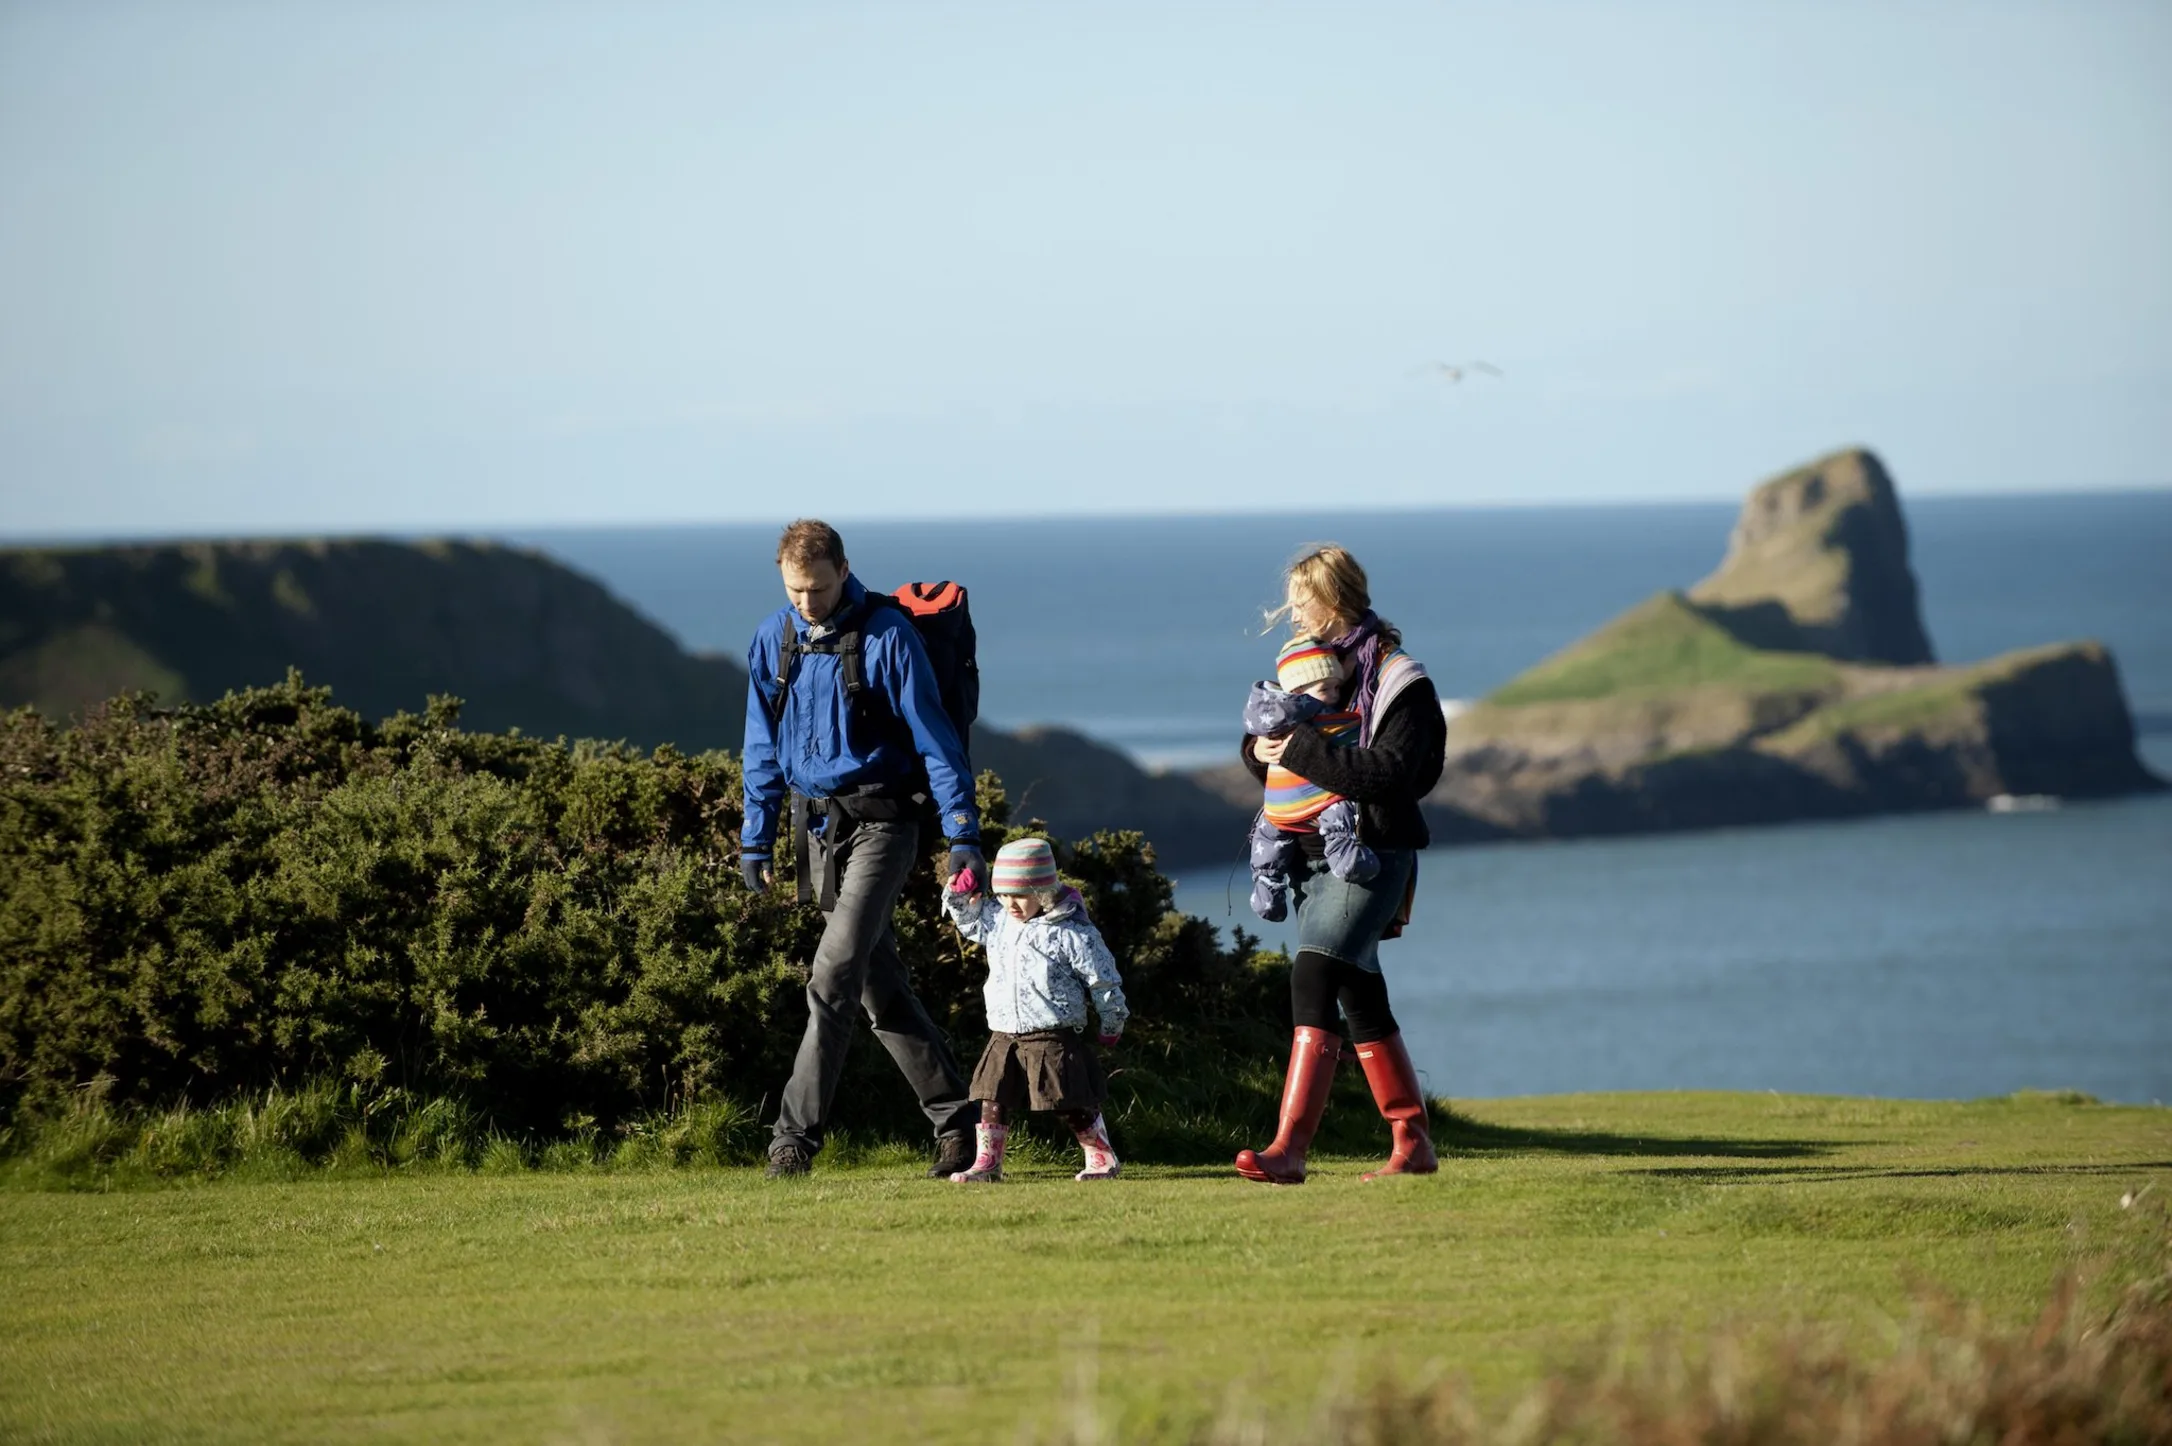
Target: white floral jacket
(1039,971)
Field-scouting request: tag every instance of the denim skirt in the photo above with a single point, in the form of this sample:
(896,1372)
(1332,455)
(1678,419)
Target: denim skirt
(1344,920)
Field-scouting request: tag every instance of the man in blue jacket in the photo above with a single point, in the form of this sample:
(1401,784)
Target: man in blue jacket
(860,764)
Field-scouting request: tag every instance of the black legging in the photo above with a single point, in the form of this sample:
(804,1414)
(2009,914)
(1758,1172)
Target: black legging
(1318,980)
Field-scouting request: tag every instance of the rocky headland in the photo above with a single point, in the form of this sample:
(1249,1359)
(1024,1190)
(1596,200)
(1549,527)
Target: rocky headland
(1797,681)
(1079,786)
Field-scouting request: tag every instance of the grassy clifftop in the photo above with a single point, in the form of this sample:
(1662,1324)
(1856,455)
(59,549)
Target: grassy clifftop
(527,642)
(1660,646)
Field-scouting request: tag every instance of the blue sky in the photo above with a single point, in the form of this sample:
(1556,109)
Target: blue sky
(270,268)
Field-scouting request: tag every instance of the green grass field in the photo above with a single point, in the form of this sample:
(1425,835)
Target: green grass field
(869,1303)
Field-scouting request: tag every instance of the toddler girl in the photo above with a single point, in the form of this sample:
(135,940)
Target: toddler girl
(1310,676)
(1044,954)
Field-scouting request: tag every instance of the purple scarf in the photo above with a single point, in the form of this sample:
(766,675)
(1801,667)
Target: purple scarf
(1362,643)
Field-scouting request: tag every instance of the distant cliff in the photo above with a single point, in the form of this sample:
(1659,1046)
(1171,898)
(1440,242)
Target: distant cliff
(527,642)
(1795,682)
(1080,786)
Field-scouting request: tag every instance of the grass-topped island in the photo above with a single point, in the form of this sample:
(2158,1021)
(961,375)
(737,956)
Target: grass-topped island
(1795,682)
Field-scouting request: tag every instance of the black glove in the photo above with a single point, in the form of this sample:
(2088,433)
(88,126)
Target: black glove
(754,868)
(963,858)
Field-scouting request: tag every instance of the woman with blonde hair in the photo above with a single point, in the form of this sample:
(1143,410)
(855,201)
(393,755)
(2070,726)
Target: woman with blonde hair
(1395,762)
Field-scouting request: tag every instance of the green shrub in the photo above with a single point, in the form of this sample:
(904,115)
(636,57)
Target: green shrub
(489,937)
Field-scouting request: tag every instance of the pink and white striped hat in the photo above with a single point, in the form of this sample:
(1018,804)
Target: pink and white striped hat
(1024,866)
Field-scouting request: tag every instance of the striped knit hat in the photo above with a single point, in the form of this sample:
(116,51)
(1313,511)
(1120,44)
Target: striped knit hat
(1023,866)
(1305,660)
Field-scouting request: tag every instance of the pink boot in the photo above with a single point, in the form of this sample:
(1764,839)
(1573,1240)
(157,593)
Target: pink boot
(988,1165)
(1101,1161)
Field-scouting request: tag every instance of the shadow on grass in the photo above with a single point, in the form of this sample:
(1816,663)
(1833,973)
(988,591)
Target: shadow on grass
(1460,1134)
(1755,1174)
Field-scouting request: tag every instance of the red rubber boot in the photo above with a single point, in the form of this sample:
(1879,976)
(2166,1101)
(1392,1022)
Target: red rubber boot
(1313,1053)
(1402,1104)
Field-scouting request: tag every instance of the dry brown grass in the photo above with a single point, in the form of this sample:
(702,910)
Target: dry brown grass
(2075,1375)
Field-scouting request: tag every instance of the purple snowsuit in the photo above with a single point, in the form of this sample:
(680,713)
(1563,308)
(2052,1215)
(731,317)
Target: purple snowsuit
(1277,857)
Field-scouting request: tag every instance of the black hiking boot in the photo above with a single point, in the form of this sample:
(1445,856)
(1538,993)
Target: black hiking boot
(952,1154)
(787,1160)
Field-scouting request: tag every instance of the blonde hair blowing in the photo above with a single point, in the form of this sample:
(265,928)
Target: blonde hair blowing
(1326,574)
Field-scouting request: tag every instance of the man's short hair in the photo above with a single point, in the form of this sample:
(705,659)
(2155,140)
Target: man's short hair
(808,541)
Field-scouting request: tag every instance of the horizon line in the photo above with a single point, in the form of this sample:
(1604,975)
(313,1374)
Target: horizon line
(502,530)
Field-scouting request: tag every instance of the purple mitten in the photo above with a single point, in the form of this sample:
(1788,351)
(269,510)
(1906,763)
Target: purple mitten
(1347,858)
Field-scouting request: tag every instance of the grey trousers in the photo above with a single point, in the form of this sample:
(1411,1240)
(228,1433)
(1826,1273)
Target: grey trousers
(857,968)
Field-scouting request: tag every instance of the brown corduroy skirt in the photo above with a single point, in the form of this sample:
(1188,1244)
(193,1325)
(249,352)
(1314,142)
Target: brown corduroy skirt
(1048,1069)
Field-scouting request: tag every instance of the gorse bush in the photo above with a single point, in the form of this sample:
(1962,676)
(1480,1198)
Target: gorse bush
(269,896)
(269,890)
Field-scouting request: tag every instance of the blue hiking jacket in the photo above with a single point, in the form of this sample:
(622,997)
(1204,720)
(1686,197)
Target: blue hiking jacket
(811,748)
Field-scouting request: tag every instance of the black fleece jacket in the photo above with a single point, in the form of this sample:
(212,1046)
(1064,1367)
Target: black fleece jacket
(1386,780)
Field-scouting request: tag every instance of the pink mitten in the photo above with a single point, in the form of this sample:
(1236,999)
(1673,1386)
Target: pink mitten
(1107,1041)
(963,882)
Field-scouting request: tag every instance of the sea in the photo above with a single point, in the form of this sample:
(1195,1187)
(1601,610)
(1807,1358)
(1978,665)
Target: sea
(1952,955)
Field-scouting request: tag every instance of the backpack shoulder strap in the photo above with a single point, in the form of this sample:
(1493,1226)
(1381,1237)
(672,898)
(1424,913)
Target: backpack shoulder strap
(846,643)
(787,650)
(851,645)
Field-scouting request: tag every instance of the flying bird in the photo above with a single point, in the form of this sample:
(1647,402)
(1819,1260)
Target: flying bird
(1457,371)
